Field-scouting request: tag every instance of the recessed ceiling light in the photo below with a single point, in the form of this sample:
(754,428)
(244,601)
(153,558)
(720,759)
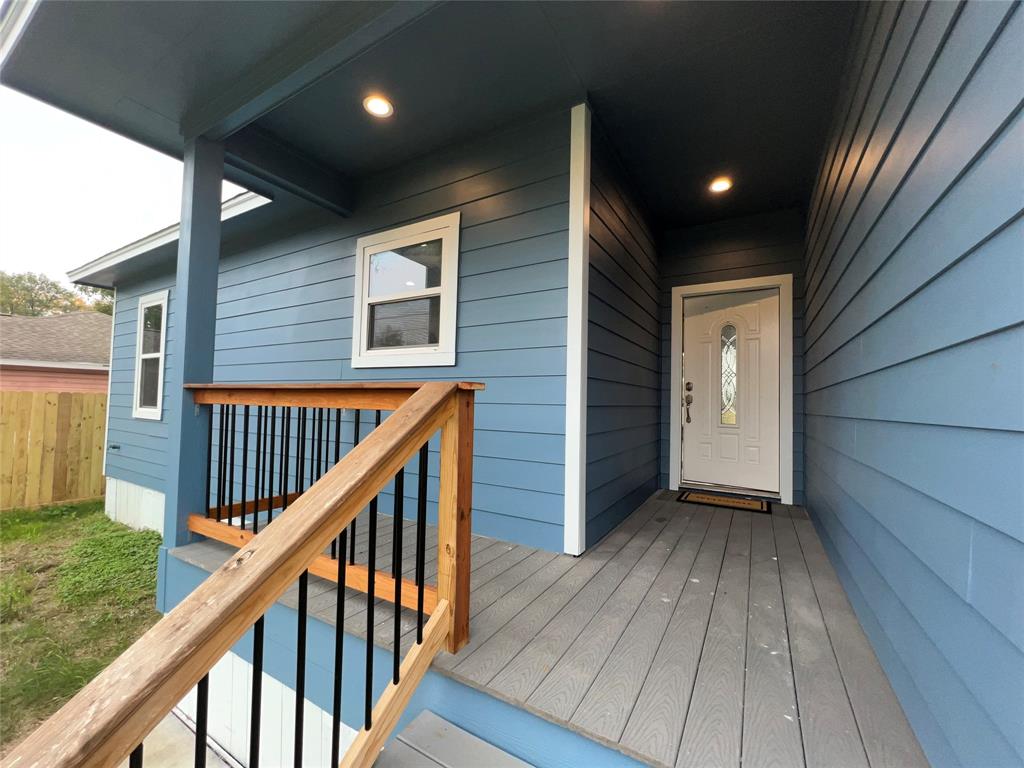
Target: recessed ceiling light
(720,184)
(378,106)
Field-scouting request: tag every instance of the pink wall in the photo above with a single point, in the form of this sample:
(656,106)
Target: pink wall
(31,379)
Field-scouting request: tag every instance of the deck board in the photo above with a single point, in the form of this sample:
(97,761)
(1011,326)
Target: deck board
(771,729)
(655,726)
(563,689)
(690,635)
(827,724)
(609,702)
(712,733)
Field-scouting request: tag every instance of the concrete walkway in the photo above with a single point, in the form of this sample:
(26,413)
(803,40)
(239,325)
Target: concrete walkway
(172,744)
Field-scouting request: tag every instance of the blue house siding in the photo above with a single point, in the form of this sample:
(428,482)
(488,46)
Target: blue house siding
(622,355)
(136,448)
(915,368)
(284,313)
(753,246)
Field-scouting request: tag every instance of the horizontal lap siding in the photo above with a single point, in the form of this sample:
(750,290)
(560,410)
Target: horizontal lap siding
(914,358)
(622,360)
(136,448)
(284,310)
(754,246)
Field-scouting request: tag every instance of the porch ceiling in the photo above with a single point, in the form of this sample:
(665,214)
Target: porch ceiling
(684,90)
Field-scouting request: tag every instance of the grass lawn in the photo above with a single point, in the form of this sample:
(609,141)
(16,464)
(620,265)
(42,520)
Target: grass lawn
(75,590)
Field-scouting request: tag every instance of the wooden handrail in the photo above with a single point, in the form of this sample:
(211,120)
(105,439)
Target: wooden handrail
(114,712)
(383,395)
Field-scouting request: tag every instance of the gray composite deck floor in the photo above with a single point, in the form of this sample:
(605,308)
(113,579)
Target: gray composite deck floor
(689,636)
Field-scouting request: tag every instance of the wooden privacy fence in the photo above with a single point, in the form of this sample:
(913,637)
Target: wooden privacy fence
(51,447)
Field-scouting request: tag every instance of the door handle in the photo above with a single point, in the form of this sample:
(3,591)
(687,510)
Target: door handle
(687,401)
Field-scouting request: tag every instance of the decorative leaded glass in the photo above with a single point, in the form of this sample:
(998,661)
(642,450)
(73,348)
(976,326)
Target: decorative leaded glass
(729,374)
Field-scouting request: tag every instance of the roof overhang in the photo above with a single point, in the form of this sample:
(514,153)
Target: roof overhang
(682,91)
(100,272)
(164,73)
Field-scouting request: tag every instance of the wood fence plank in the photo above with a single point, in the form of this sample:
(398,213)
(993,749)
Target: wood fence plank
(60,448)
(8,401)
(20,453)
(71,448)
(34,443)
(99,443)
(49,448)
(83,488)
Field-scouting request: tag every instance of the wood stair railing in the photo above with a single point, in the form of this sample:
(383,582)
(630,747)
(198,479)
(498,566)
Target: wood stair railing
(110,717)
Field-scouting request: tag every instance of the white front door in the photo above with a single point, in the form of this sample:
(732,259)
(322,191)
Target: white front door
(730,390)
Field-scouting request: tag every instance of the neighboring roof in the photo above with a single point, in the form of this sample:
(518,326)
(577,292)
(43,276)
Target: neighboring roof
(74,340)
(90,273)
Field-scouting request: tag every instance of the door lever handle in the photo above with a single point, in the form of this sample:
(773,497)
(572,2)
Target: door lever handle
(687,401)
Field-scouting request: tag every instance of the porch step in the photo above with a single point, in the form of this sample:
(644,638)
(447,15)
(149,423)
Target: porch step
(430,741)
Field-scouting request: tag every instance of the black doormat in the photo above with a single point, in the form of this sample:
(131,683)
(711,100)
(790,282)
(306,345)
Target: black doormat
(720,500)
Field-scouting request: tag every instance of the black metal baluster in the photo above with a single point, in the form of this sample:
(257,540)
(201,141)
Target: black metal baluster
(202,708)
(320,444)
(337,434)
(301,465)
(286,443)
(300,667)
(257,468)
(371,572)
(257,694)
(327,461)
(209,461)
(221,436)
(231,464)
(421,537)
(352,527)
(245,461)
(339,652)
(396,567)
(135,759)
(270,464)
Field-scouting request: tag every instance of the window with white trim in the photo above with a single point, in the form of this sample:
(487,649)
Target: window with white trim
(150,342)
(406,295)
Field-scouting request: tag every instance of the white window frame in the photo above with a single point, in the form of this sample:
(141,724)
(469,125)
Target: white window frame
(445,228)
(159,298)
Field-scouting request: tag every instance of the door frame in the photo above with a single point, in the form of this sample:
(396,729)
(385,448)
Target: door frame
(785,285)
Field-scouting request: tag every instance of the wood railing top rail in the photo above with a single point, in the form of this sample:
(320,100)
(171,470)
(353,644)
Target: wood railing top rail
(114,712)
(383,395)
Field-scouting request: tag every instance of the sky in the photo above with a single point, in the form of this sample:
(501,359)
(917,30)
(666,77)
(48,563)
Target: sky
(71,191)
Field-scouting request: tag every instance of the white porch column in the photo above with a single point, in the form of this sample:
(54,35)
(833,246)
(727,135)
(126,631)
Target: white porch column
(194,304)
(575,530)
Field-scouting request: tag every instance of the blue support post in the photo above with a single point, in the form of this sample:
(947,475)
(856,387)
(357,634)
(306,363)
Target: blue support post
(194,302)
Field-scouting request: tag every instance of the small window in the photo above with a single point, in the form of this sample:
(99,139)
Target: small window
(405,303)
(149,356)
(729,375)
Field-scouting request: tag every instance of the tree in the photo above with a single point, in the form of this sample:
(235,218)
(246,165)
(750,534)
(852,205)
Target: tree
(33,294)
(99,299)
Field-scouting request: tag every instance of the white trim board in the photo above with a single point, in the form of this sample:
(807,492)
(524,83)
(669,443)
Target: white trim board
(575,530)
(56,364)
(106,416)
(785,285)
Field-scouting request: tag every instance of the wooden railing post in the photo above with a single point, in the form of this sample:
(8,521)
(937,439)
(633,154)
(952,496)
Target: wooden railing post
(454,517)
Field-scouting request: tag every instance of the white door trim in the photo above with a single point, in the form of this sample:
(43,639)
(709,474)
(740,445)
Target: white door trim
(785,285)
